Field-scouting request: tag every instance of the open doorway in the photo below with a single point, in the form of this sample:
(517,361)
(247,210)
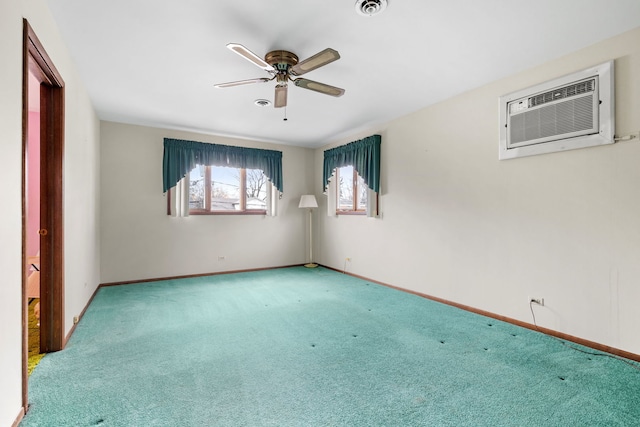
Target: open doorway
(32,213)
(42,203)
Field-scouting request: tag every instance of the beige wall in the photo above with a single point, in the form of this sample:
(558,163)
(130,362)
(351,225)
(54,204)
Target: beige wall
(459,224)
(10,218)
(139,240)
(456,222)
(81,190)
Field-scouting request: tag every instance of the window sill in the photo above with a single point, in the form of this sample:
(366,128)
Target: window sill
(356,213)
(228,213)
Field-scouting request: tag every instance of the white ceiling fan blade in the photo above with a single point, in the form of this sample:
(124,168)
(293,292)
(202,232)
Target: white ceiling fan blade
(280,98)
(251,57)
(242,82)
(319,87)
(316,61)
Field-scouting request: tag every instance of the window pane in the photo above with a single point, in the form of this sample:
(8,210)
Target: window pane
(196,188)
(225,188)
(345,188)
(362,194)
(256,190)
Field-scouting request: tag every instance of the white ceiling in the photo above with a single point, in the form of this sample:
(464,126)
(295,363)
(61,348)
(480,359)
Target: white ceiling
(155,63)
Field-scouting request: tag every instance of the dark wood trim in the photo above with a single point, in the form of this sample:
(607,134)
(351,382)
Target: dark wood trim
(207,189)
(354,210)
(356,213)
(206,210)
(80,316)
(168,194)
(19,418)
(189,276)
(198,212)
(36,59)
(25,128)
(250,212)
(46,70)
(131,282)
(551,332)
(577,340)
(52,204)
(51,219)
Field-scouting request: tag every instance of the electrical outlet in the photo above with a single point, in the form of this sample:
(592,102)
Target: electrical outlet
(347,259)
(535,300)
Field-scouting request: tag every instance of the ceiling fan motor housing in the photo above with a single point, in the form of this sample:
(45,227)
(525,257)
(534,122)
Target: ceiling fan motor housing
(281,60)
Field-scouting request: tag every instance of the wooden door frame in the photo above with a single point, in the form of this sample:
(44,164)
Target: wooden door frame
(36,60)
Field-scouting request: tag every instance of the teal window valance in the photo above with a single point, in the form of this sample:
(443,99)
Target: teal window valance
(181,156)
(363,155)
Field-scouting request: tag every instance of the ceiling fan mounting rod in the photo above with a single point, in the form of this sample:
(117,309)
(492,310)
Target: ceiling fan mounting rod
(282,77)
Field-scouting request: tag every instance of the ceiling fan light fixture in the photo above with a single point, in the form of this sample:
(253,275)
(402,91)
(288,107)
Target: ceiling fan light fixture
(280,96)
(370,7)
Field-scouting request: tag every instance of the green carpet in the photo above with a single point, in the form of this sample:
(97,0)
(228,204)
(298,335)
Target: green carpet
(34,338)
(312,347)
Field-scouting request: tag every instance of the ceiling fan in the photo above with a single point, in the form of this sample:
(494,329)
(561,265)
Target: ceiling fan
(283,67)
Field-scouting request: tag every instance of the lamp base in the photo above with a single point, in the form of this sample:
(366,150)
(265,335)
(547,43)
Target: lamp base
(311,265)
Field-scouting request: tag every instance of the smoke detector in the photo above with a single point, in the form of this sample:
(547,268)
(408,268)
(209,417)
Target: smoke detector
(370,7)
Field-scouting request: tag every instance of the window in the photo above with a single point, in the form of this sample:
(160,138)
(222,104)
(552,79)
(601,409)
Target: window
(218,189)
(352,191)
(346,187)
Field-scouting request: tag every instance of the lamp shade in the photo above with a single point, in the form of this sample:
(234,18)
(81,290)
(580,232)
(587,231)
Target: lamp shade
(308,201)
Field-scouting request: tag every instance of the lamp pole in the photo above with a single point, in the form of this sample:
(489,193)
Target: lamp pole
(309,201)
(311,263)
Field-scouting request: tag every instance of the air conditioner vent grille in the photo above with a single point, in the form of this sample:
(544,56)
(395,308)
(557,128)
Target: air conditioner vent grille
(563,92)
(552,120)
(572,111)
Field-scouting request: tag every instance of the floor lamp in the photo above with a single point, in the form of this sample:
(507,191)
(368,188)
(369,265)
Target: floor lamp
(309,201)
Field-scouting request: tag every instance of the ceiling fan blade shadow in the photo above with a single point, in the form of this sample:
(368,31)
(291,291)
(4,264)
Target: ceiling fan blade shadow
(242,82)
(319,87)
(280,98)
(251,57)
(316,61)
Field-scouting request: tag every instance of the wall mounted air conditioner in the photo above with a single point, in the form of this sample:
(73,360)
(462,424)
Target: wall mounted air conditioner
(569,112)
